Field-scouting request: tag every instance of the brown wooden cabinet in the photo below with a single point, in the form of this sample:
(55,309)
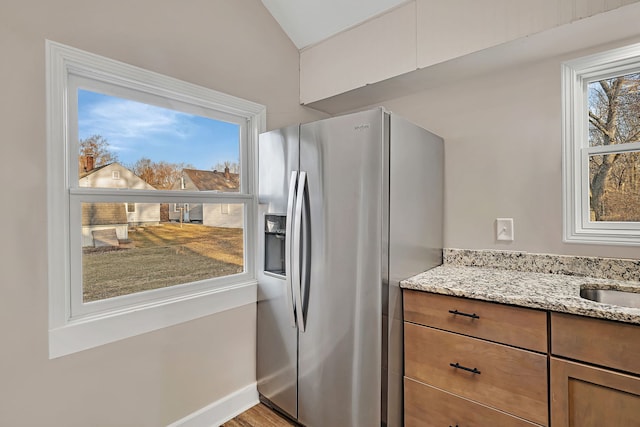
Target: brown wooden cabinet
(474,363)
(515,326)
(600,342)
(587,396)
(429,406)
(461,353)
(583,395)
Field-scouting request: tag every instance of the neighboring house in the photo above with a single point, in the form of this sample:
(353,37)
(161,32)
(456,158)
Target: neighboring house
(212,214)
(101,216)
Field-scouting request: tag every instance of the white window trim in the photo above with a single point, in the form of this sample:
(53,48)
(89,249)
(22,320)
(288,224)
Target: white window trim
(163,307)
(576,74)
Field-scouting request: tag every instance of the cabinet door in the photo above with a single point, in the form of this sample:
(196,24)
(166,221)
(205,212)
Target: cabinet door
(585,396)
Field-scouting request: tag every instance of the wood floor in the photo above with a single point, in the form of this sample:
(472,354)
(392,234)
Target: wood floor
(259,416)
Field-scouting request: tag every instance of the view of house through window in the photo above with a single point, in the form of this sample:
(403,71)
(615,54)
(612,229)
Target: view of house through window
(136,245)
(150,201)
(614,172)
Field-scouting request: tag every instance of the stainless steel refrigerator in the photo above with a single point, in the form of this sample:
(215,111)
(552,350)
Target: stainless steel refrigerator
(348,207)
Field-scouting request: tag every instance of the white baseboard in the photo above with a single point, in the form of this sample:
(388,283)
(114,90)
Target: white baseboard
(222,410)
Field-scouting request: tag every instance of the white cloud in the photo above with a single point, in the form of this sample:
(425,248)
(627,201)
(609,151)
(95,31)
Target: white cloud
(123,121)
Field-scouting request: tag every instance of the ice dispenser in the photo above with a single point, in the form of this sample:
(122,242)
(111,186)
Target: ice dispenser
(274,244)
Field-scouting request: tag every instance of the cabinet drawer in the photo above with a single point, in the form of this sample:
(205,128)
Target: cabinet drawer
(516,326)
(601,342)
(509,379)
(426,406)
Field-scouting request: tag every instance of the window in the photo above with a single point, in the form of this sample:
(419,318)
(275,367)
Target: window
(121,143)
(601,148)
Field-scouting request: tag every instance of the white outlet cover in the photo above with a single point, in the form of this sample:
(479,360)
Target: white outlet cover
(504,229)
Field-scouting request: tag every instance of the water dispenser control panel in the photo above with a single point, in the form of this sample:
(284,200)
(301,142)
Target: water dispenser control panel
(274,244)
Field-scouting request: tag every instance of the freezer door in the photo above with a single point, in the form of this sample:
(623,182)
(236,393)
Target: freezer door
(340,349)
(277,339)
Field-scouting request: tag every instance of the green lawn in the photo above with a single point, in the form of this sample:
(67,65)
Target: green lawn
(162,256)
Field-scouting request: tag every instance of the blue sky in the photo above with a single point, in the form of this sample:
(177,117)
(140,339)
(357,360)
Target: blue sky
(134,130)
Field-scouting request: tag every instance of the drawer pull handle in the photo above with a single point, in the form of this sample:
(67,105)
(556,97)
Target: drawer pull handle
(472,315)
(464,368)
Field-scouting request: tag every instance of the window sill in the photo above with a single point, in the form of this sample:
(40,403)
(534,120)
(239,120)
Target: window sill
(599,237)
(95,331)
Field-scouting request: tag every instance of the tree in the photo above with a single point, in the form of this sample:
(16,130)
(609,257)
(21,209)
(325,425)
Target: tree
(161,175)
(614,118)
(97,147)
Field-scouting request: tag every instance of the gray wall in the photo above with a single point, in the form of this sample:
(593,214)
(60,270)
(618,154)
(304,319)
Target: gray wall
(502,133)
(233,46)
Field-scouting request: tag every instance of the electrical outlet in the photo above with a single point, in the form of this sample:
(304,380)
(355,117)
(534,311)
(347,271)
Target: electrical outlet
(504,229)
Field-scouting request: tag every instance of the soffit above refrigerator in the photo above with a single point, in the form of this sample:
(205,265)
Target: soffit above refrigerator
(559,43)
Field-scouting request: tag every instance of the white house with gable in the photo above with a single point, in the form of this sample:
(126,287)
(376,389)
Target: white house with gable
(111,215)
(212,214)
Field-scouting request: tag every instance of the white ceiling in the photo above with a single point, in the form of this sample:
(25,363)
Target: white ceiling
(309,21)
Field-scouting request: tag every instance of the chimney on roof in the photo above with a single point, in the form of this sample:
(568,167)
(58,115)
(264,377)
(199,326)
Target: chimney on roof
(87,163)
(227,175)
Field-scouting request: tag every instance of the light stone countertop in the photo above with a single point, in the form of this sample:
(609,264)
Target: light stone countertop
(554,292)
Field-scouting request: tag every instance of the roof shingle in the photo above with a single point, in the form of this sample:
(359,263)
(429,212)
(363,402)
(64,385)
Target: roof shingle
(213,180)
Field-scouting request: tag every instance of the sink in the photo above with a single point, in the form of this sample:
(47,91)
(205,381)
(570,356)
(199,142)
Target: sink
(612,296)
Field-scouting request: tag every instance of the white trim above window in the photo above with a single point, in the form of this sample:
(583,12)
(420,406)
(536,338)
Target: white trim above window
(75,325)
(578,224)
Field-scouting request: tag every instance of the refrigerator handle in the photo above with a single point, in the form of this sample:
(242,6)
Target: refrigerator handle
(296,256)
(287,247)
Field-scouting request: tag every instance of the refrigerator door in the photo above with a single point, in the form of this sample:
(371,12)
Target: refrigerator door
(340,351)
(277,337)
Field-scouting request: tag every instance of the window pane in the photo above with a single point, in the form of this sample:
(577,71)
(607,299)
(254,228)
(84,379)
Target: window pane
(129,144)
(615,187)
(614,110)
(157,245)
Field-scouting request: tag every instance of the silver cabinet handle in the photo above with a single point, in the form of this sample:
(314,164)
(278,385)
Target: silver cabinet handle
(296,258)
(287,246)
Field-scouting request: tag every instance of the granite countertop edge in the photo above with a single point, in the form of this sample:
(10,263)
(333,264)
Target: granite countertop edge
(554,292)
